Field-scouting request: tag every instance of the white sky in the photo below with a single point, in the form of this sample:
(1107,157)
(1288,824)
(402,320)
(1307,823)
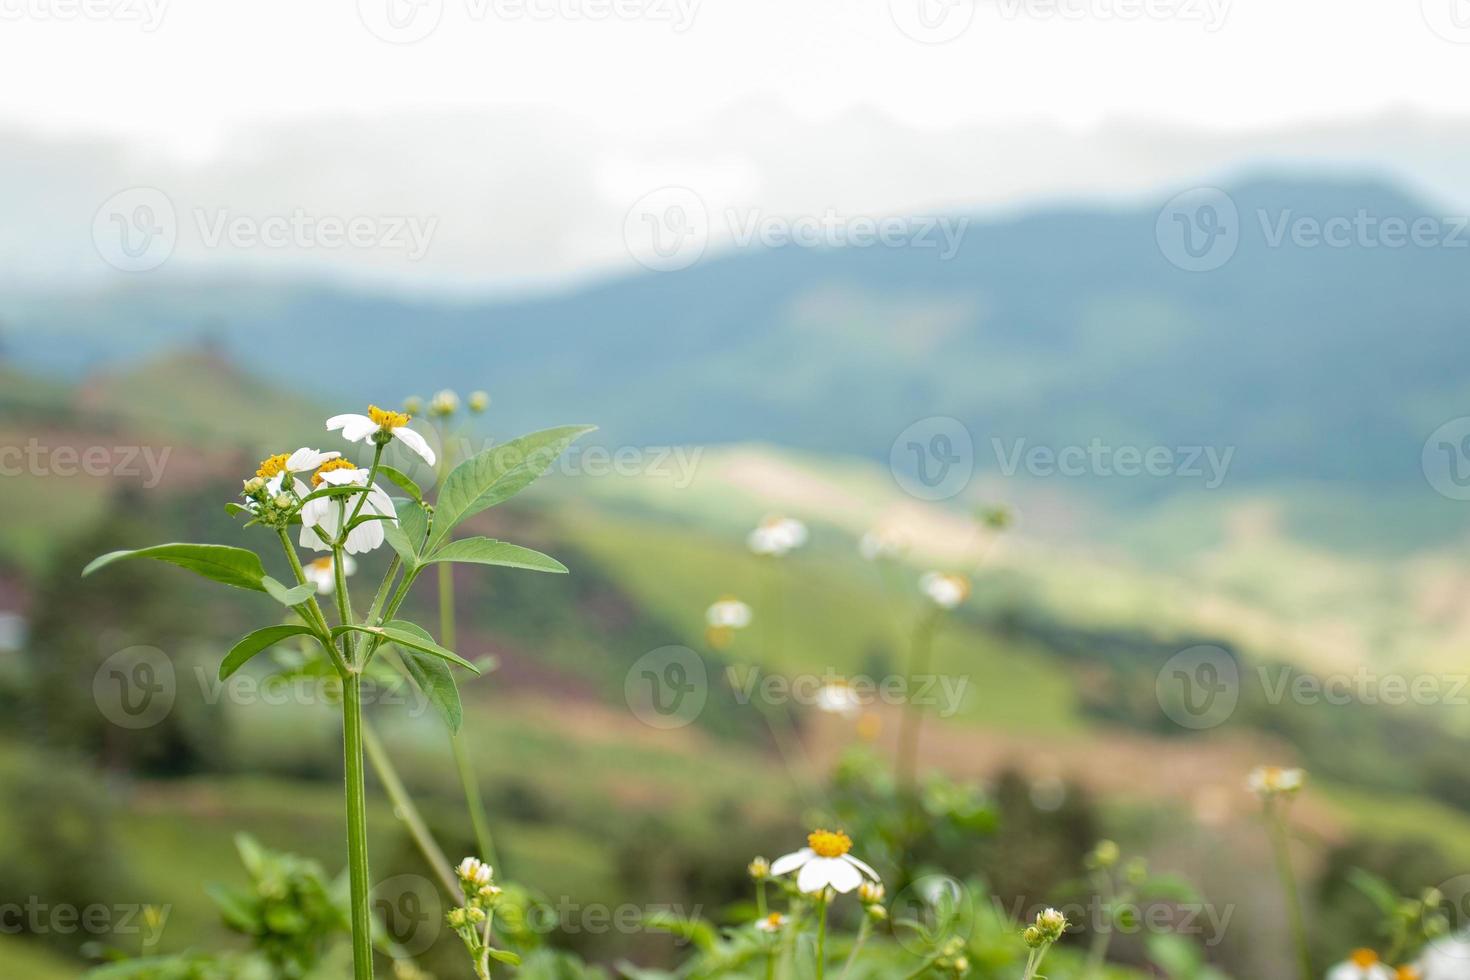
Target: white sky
(209,66)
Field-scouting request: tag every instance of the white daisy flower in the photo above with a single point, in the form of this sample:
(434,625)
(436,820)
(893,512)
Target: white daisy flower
(881,544)
(474,871)
(275,469)
(945,590)
(321,574)
(771,923)
(1266,781)
(1447,958)
(325,513)
(838,698)
(365,428)
(729,613)
(776,536)
(825,863)
(1362,965)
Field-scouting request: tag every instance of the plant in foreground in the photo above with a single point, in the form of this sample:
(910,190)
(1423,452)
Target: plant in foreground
(343,510)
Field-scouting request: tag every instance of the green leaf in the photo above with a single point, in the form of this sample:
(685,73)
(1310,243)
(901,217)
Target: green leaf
(255,642)
(407,534)
(433,677)
(235,908)
(222,563)
(333,490)
(488,551)
(497,474)
(405,483)
(287,597)
(504,956)
(407,634)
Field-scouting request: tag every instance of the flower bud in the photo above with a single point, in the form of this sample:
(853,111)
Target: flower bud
(479,401)
(760,869)
(870,893)
(413,405)
(1033,937)
(456,918)
(1106,854)
(444,403)
(475,915)
(254,485)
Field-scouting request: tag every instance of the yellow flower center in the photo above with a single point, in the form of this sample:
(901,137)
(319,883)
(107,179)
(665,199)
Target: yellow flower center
(774,920)
(328,466)
(274,466)
(1407,973)
(322,565)
(829,844)
(386,419)
(1364,958)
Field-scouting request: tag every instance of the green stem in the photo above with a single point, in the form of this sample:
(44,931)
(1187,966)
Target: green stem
(357,857)
(1282,847)
(822,938)
(862,937)
(408,812)
(1033,963)
(908,733)
(1097,952)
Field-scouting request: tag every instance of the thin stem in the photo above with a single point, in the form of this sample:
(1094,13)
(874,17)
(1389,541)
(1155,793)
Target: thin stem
(1282,847)
(912,718)
(1101,938)
(408,812)
(1033,963)
(822,938)
(362,497)
(862,937)
(314,615)
(357,857)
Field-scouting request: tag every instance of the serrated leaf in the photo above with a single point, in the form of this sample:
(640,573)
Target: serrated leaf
(404,482)
(410,635)
(488,551)
(221,563)
(287,597)
(497,474)
(255,642)
(433,677)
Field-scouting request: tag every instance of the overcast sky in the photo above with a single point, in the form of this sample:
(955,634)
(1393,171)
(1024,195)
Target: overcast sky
(561,113)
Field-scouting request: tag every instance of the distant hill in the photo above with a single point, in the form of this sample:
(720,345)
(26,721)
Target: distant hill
(1057,327)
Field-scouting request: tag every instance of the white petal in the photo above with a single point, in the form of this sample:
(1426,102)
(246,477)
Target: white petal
(416,442)
(378,502)
(355,428)
(843,876)
(792,861)
(343,478)
(309,539)
(817,874)
(862,867)
(365,537)
(349,567)
(307,458)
